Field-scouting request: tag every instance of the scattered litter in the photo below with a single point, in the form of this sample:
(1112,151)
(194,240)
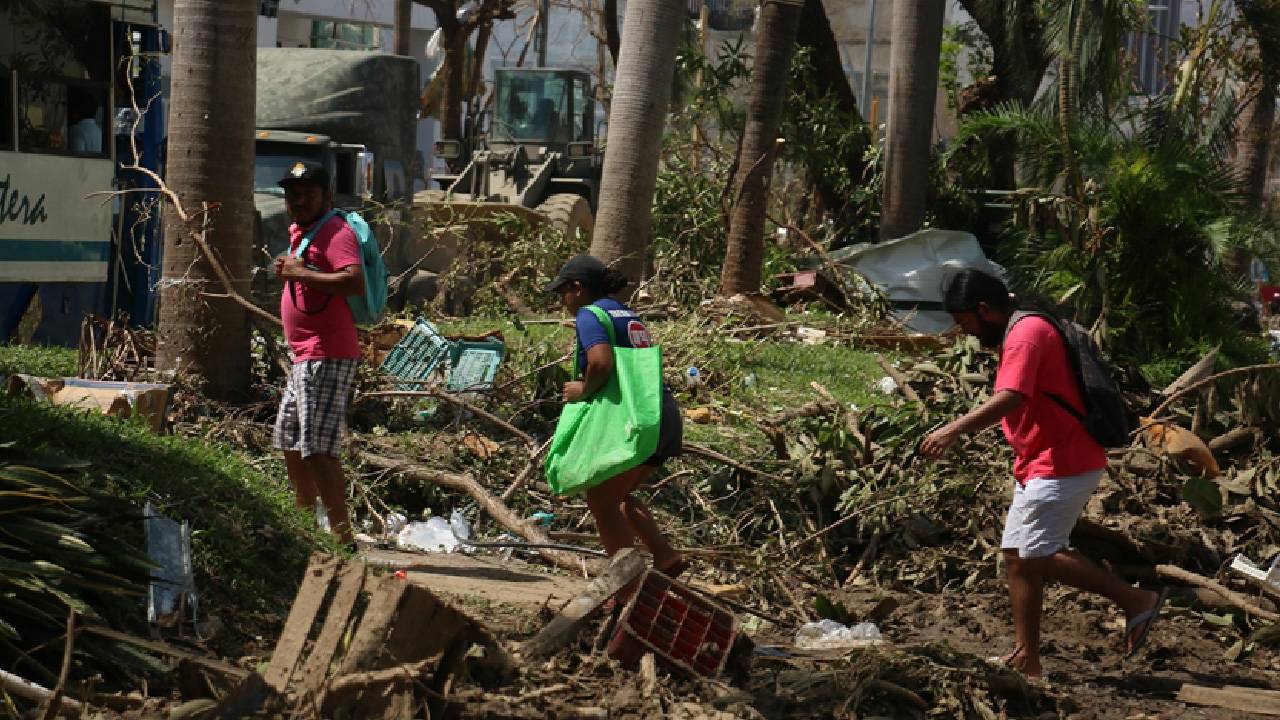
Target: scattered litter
(436,534)
(811,336)
(117,399)
(1245,566)
(542,517)
(173,585)
(829,633)
(913,272)
(886,385)
(393,523)
(684,630)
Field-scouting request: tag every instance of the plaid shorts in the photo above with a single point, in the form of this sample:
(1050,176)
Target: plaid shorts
(313,411)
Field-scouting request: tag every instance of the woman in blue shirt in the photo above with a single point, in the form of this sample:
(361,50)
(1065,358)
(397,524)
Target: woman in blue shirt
(619,516)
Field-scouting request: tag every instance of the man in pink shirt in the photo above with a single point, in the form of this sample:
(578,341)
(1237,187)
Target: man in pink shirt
(1058,464)
(322,339)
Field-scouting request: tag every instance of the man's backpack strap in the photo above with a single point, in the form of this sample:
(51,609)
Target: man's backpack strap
(302,248)
(1066,344)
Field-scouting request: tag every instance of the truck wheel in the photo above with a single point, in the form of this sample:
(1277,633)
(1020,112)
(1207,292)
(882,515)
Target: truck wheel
(568,213)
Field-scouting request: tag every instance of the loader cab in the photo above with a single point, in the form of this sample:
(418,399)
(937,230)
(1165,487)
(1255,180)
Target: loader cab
(543,109)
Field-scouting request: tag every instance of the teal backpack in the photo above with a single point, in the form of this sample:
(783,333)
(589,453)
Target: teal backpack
(368,307)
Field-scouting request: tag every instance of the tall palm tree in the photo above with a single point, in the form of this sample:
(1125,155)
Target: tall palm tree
(642,90)
(210,159)
(775,43)
(1257,121)
(913,90)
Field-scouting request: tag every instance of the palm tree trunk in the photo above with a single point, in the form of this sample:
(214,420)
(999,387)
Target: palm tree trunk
(642,91)
(211,123)
(830,82)
(913,91)
(775,43)
(1253,149)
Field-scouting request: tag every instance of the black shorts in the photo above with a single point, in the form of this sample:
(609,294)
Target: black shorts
(670,432)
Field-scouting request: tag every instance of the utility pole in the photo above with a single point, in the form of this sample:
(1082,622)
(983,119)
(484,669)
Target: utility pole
(403,26)
(543,34)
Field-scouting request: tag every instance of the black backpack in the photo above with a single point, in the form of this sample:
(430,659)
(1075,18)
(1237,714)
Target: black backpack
(1105,417)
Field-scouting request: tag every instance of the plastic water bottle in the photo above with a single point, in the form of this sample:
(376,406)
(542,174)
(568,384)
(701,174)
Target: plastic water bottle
(692,379)
(322,515)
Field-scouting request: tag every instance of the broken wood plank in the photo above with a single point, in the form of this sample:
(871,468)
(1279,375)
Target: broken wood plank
(214,664)
(350,581)
(1259,702)
(371,637)
(315,586)
(625,567)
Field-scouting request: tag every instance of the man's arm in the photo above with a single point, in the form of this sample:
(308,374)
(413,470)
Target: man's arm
(348,280)
(982,417)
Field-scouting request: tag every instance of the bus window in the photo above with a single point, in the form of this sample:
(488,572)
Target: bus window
(6,108)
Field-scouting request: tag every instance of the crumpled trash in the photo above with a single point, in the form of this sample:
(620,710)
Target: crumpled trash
(831,634)
(886,385)
(393,523)
(436,534)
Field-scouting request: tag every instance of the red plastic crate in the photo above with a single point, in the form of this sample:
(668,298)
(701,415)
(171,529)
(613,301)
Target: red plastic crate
(683,629)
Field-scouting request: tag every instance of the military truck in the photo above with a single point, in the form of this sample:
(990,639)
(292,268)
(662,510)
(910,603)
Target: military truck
(538,160)
(353,112)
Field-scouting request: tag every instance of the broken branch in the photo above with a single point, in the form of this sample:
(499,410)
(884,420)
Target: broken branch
(710,454)
(452,400)
(1189,578)
(490,504)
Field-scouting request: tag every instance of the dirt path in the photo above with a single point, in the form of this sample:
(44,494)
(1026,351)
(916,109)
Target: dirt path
(1083,651)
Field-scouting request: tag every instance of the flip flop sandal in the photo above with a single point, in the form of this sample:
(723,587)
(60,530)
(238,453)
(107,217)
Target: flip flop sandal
(1149,617)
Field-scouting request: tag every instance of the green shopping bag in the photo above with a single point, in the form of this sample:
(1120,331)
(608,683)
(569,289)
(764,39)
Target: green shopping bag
(616,429)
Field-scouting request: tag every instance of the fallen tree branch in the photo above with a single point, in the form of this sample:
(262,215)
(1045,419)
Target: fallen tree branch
(452,400)
(495,508)
(710,454)
(370,678)
(223,276)
(24,688)
(55,700)
(1190,390)
(1172,572)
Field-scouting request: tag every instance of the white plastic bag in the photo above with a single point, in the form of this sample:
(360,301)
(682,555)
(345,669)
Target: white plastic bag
(830,634)
(434,535)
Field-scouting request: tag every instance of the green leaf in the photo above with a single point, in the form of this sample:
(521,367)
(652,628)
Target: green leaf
(1204,495)
(1219,620)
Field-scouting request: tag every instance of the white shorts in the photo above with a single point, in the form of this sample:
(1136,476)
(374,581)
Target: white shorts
(1044,511)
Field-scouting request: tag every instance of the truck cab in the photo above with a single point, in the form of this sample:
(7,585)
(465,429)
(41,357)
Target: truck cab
(275,152)
(540,141)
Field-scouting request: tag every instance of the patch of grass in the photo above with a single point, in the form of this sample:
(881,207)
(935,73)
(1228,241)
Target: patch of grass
(40,360)
(249,543)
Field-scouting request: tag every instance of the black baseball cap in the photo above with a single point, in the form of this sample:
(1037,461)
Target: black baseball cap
(580,268)
(306,172)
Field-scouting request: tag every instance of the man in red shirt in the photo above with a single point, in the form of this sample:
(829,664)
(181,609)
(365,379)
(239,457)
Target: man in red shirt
(322,340)
(1058,463)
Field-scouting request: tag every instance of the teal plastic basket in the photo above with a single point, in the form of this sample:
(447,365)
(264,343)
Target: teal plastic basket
(416,356)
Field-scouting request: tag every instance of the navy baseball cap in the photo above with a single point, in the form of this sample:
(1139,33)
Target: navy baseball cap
(306,172)
(580,268)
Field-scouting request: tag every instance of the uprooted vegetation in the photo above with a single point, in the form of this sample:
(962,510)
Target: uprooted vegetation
(801,490)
